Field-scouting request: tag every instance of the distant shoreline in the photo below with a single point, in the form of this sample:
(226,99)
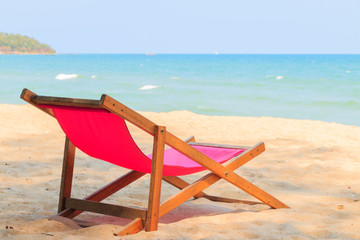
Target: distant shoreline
(188,54)
(25,53)
(17,44)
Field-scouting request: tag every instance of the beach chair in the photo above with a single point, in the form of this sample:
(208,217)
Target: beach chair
(98,128)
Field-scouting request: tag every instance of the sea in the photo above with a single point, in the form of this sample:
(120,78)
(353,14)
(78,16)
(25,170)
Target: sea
(315,87)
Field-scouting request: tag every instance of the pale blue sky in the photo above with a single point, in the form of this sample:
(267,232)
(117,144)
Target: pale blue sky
(159,26)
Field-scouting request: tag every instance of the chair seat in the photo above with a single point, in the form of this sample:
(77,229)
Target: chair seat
(176,163)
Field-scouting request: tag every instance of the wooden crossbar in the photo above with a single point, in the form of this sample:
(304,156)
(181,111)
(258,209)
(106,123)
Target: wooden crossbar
(59,101)
(105,191)
(28,95)
(105,208)
(217,145)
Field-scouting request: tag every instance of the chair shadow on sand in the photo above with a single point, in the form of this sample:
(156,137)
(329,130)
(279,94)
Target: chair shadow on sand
(185,211)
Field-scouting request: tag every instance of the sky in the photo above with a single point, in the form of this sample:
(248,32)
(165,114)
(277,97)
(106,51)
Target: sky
(196,26)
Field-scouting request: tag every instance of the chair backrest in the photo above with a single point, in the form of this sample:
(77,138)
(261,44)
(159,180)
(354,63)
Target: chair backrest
(102,135)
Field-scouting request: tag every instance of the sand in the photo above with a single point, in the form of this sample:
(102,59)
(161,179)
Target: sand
(312,166)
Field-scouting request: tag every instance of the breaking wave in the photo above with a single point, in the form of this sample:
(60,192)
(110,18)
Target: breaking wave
(63,76)
(148,87)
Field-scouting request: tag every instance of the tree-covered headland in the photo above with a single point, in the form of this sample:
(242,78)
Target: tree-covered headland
(18,44)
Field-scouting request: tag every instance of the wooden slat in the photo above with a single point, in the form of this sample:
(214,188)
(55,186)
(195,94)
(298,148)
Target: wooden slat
(131,228)
(27,96)
(217,145)
(105,208)
(106,191)
(222,171)
(128,114)
(209,179)
(67,173)
(61,101)
(152,216)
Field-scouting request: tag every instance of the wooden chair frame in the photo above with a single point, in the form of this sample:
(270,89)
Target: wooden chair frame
(148,218)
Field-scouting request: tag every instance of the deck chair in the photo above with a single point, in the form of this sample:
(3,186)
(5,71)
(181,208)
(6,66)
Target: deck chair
(98,128)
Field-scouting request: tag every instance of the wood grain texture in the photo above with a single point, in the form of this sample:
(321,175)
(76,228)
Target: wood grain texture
(28,95)
(152,216)
(105,208)
(61,101)
(217,145)
(67,173)
(128,114)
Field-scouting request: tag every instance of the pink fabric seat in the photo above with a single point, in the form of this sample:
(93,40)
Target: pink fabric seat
(105,136)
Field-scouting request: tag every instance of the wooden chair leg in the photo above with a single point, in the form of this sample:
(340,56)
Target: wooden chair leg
(67,173)
(152,216)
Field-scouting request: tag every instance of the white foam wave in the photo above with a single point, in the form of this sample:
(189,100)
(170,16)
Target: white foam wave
(279,77)
(63,76)
(148,87)
(93,76)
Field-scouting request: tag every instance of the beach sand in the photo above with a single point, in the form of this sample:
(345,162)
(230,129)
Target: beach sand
(312,166)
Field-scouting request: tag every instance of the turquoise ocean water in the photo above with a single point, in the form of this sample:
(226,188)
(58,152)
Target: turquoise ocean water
(317,87)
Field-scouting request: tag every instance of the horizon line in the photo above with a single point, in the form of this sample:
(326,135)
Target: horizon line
(211,53)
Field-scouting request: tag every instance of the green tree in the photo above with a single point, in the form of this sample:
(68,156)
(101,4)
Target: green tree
(16,43)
